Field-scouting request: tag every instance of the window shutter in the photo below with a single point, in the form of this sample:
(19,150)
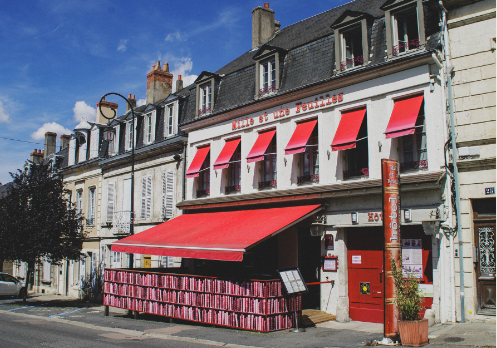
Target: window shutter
(111,187)
(82,150)
(94,142)
(168,193)
(152,119)
(170,261)
(72,151)
(116,140)
(149,197)
(144,197)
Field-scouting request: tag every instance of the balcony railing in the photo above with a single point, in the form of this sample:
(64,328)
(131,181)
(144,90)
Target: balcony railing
(407,45)
(359,60)
(204,111)
(423,164)
(121,222)
(234,188)
(264,184)
(355,172)
(203,193)
(308,178)
(90,222)
(266,90)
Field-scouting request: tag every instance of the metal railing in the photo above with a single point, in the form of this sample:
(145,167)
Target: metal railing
(355,172)
(422,164)
(90,221)
(203,193)
(264,184)
(308,178)
(233,188)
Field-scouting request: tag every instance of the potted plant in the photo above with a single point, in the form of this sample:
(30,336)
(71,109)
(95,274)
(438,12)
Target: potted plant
(413,329)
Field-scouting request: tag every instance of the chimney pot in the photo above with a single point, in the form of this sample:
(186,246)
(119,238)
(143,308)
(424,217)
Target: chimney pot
(166,67)
(129,96)
(179,77)
(266,5)
(132,101)
(133,97)
(50,144)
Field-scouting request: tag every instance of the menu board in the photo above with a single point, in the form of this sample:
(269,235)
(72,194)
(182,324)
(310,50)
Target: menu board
(293,281)
(412,258)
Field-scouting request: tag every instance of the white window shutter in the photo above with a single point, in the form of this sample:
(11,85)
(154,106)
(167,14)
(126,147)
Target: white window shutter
(170,261)
(116,140)
(168,193)
(111,188)
(144,197)
(94,142)
(72,151)
(82,149)
(153,127)
(149,197)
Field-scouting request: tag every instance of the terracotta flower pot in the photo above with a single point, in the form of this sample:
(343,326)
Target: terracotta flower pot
(414,333)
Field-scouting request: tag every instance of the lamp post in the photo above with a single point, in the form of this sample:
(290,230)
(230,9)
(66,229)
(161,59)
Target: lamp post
(132,209)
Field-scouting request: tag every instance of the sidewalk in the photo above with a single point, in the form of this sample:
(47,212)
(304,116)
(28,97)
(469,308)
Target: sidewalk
(328,334)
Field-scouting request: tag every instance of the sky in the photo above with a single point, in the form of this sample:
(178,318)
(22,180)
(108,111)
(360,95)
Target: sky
(59,57)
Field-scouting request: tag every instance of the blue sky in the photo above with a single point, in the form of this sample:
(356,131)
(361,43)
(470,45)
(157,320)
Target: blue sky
(59,57)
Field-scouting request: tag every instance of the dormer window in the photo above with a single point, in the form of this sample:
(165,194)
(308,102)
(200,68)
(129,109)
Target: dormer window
(351,40)
(168,120)
(205,99)
(268,77)
(129,136)
(352,54)
(149,128)
(404,21)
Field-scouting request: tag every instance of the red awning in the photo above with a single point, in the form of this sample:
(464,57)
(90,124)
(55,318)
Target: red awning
(224,157)
(403,118)
(300,137)
(348,128)
(221,236)
(260,146)
(197,162)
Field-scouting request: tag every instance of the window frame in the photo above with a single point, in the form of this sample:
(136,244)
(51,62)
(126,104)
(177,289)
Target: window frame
(169,120)
(311,149)
(204,178)
(266,54)
(362,138)
(342,28)
(205,107)
(264,87)
(234,171)
(79,201)
(269,166)
(395,7)
(417,162)
(90,213)
(130,137)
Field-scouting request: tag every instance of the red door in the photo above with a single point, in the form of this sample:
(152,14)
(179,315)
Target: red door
(365,268)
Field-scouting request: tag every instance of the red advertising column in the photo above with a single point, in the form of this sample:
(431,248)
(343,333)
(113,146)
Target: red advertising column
(391,224)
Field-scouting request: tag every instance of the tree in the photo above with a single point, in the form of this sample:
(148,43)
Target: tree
(37,221)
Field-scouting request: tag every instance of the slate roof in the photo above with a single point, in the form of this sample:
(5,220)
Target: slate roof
(310,58)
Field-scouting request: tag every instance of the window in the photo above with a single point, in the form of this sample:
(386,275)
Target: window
(405,33)
(129,136)
(69,200)
(146,206)
(149,128)
(310,160)
(168,194)
(168,121)
(79,201)
(109,136)
(205,99)
(204,178)
(46,277)
(413,146)
(167,261)
(405,26)
(90,219)
(352,53)
(268,77)
(234,172)
(94,141)
(115,259)
(356,159)
(269,166)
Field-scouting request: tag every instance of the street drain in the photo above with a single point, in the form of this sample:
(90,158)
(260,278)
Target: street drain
(453,339)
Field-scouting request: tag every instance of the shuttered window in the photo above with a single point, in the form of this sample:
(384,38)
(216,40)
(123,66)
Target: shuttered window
(72,151)
(111,192)
(82,148)
(168,194)
(146,197)
(95,133)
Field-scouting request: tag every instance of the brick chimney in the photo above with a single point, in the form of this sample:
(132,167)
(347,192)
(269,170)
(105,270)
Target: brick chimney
(36,156)
(263,25)
(107,108)
(50,144)
(159,83)
(179,84)
(132,101)
(64,141)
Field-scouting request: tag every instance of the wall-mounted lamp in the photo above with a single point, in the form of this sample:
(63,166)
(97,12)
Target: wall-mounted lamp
(328,152)
(318,226)
(248,168)
(407,214)
(354,216)
(284,160)
(431,226)
(215,171)
(379,145)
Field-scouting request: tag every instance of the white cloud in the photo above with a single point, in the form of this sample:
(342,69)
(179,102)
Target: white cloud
(140,102)
(50,127)
(4,116)
(122,45)
(183,66)
(83,110)
(178,36)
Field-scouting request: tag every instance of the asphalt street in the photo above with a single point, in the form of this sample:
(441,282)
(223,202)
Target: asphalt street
(55,321)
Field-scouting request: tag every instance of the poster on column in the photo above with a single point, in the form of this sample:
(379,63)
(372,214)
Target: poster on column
(412,258)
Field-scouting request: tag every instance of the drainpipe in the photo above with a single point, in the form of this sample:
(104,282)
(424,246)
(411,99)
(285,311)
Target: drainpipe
(454,153)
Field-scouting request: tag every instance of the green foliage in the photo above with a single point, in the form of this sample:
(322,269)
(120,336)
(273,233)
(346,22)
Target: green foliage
(37,220)
(407,296)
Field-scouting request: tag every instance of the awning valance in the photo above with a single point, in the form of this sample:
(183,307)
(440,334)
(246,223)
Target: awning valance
(197,161)
(404,115)
(221,236)
(348,129)
(300,137)
(260,146)
(222,161)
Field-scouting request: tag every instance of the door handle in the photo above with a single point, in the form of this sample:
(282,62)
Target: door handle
(381,277)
